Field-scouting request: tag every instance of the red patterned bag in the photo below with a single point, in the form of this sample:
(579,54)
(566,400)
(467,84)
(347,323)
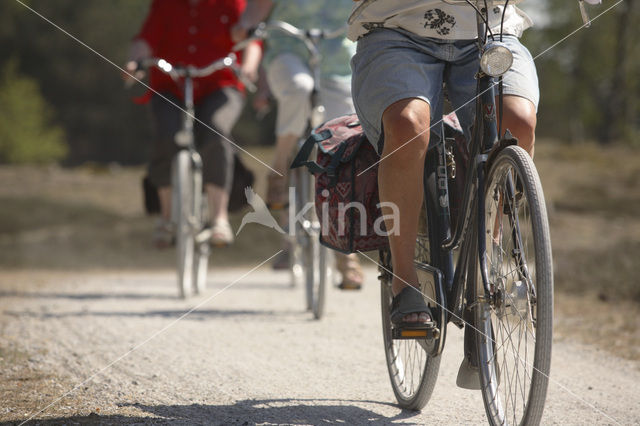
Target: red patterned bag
(346,173)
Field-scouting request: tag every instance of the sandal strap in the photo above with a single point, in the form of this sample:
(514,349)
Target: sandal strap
(408,301)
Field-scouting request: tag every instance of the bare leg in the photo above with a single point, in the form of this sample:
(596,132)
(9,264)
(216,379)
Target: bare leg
(278,193)
(400,182)
(164,194)
(285,145)
(519,116)
(218,200)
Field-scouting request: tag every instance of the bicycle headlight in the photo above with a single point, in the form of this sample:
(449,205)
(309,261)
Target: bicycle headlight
(496,59)
(164,65)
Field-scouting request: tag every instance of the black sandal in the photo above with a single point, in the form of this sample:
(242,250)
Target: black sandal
(410,301)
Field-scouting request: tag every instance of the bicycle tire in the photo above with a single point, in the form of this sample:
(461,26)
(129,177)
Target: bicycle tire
(294,242)
(182,204)
(413,371)
(319,281)
(202,247)
(200,267)
(314,255)
(520,270)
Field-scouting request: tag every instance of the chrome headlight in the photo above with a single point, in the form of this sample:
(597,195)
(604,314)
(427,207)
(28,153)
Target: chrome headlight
(496,59)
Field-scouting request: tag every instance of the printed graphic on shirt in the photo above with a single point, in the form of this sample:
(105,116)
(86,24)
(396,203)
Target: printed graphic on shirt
(439,21)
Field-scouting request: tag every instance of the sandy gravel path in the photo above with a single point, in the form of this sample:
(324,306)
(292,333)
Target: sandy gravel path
(248,355)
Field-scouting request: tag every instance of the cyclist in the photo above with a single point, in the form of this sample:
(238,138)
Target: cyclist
(406,50)
(291,83)
(194,32)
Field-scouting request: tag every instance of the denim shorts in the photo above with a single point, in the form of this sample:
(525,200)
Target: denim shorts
(391,65)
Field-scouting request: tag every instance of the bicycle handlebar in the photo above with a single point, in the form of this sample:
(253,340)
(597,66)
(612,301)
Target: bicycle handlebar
(177,71)
(309,37)
(181,71)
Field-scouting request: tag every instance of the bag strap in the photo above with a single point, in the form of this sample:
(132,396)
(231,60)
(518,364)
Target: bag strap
(301,158)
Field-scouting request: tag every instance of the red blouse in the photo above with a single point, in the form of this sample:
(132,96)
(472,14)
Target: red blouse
(192,33)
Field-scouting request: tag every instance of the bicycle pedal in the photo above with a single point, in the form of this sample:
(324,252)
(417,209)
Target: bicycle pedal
(415,333)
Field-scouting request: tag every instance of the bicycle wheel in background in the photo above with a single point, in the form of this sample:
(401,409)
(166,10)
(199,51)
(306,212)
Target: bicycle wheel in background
(316,275)
(182,205)
(202,248)
(308,258)
(314,255)
(296,240)
(412,369)
(514,325)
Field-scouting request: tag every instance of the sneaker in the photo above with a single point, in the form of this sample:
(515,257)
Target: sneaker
(163,234)
(221,234)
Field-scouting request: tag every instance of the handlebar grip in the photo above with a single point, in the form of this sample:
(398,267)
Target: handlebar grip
(139,66)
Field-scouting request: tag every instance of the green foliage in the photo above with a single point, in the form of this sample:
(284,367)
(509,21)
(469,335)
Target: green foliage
(80,78)
(87,92)
(26,132)
(590,82)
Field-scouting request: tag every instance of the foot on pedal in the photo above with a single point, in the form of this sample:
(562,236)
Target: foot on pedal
(410,303)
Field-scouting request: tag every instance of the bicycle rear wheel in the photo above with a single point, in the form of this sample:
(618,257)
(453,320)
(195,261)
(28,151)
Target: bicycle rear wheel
(514,323)
(183,208)
(314,255)
(316,276)
(413,369)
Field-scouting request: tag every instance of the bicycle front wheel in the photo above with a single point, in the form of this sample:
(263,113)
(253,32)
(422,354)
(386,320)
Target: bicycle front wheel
(514,322)
(183,208)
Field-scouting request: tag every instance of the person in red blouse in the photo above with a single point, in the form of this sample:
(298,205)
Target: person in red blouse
(194,32)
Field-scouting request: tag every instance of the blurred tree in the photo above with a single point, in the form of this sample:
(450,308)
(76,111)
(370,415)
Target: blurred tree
(85,90)
(26,132)
(590,83)
(79,77)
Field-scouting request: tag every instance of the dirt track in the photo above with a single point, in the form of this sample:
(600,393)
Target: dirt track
(248,355)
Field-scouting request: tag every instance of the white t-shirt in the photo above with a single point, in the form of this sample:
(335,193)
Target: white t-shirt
(435,18)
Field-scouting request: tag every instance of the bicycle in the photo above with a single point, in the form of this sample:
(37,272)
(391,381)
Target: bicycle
(310,261)
(499,285)
(189,209)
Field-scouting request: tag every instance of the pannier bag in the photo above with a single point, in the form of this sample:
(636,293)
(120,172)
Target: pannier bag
(346,188)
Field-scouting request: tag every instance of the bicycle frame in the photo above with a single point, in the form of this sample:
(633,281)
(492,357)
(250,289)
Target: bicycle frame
(449,277)
(305,241)
(507,309)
